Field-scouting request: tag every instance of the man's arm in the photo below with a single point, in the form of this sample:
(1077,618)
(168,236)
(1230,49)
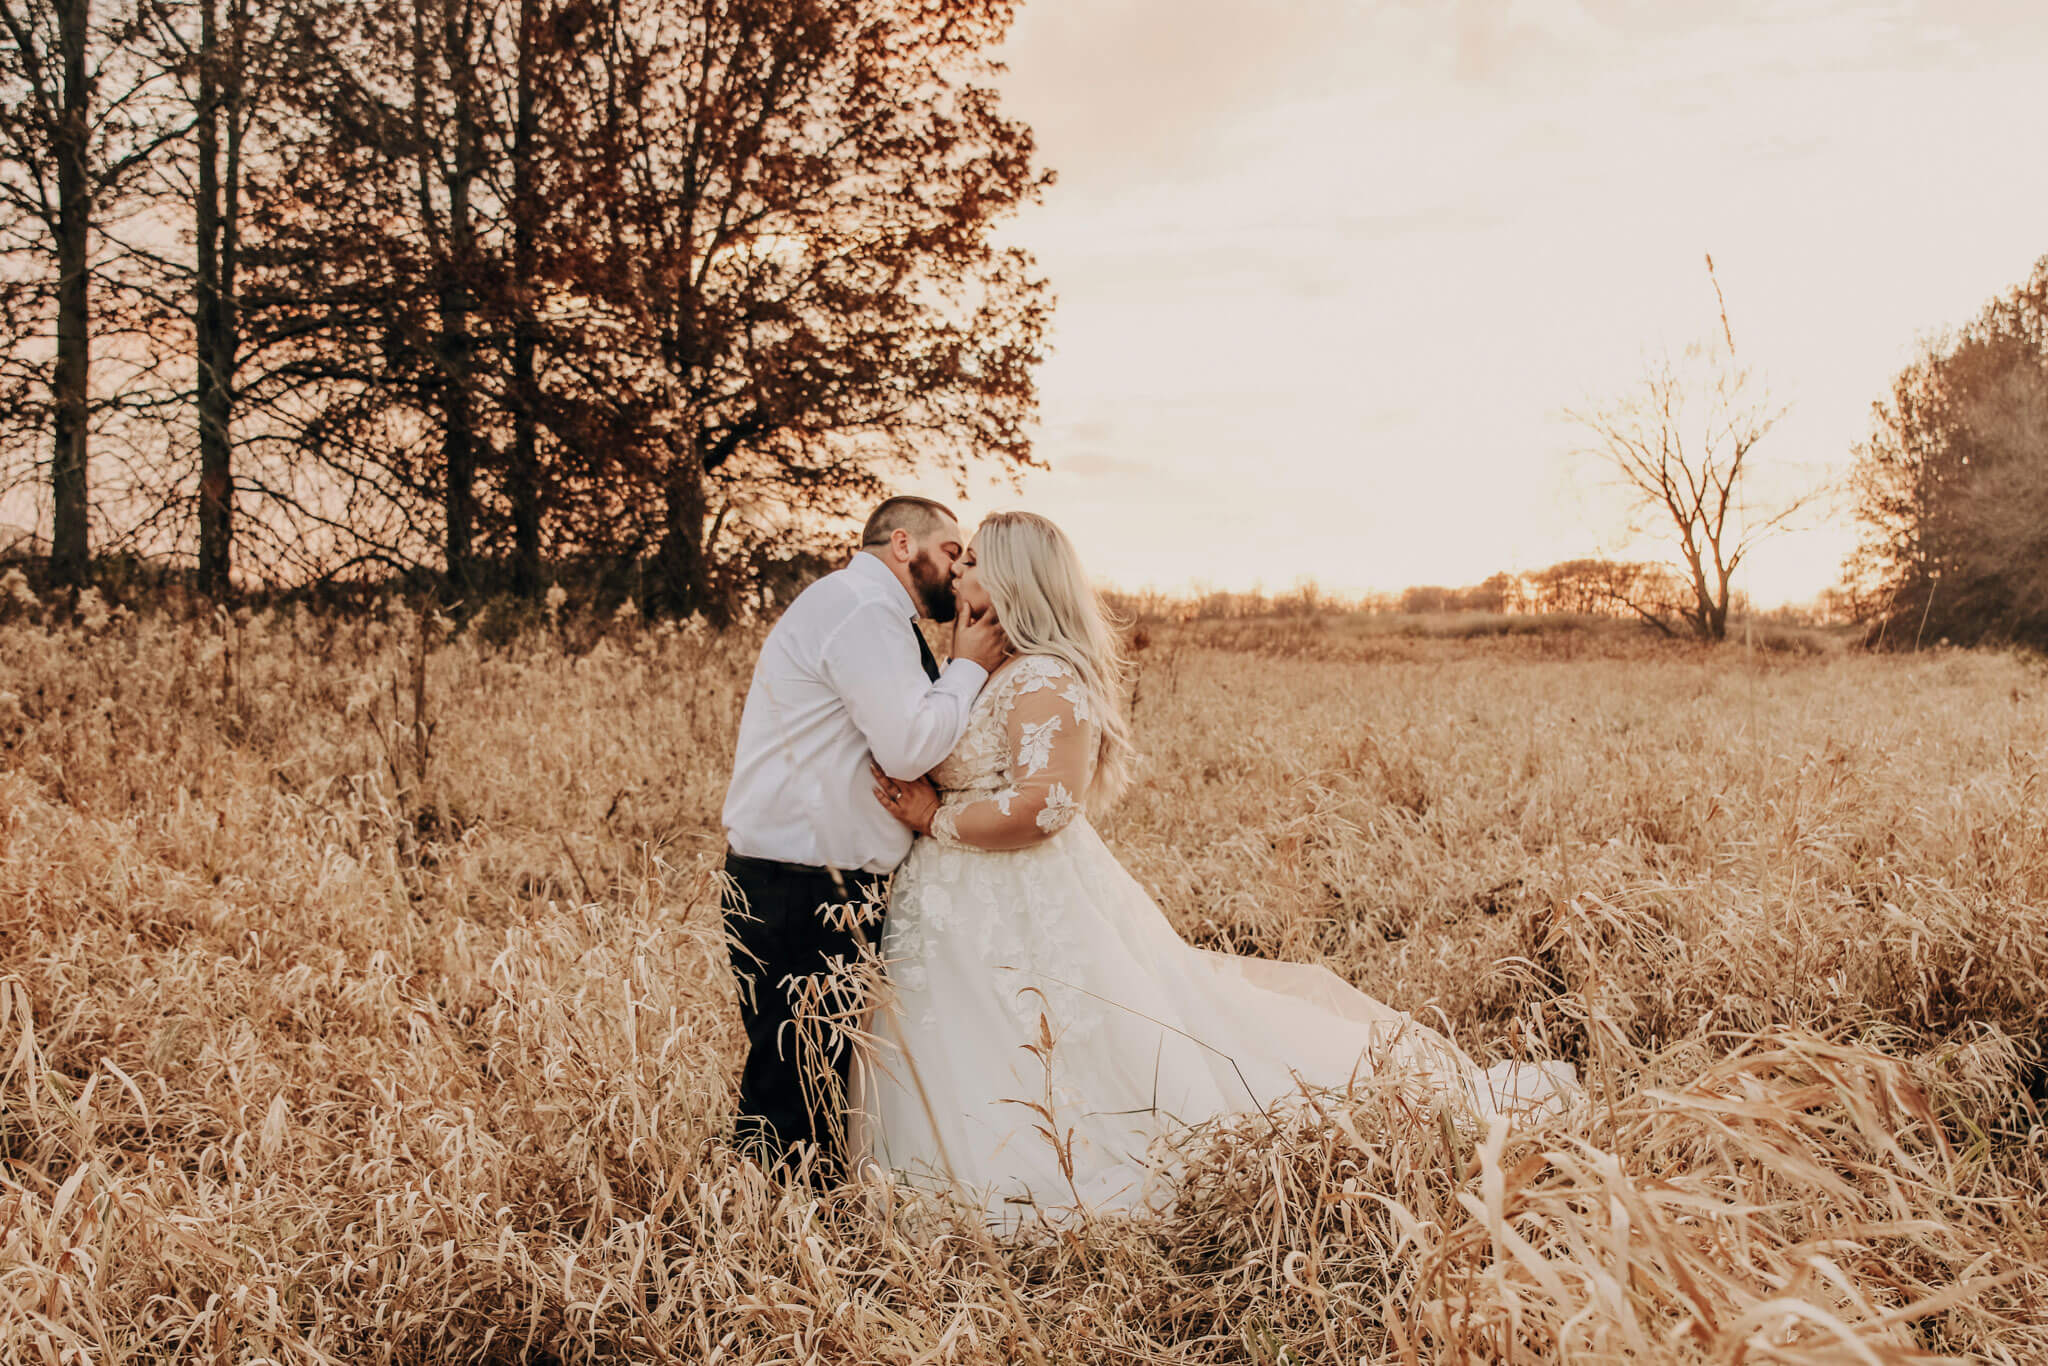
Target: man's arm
(909,722)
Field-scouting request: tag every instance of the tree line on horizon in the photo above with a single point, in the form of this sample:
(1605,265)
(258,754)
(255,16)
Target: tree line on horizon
(1589,586)
(464,291)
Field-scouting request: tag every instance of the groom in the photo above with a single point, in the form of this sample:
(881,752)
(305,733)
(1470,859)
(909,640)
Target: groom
(844,674)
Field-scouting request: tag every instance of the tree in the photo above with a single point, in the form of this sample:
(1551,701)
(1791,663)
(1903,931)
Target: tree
(298,297)
(528,223)
(228,63)
(1423,598)
(1681,442)
(797,200)
(216,224)
(379,265)
(1499,592)
(76,128)
(1618,587)
(1951,488)
(453,377)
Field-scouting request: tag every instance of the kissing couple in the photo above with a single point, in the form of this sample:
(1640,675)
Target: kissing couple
(1042,1025)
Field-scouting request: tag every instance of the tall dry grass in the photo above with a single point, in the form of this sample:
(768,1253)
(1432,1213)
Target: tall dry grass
(362,997)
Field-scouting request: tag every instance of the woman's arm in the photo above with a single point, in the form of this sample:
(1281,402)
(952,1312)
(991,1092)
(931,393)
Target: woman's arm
(1051,745)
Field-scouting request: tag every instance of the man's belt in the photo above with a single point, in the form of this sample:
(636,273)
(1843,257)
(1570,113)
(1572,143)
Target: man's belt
(770,865)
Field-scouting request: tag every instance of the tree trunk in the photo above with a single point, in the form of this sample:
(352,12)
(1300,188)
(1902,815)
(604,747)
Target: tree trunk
(215,344)
(456,345)
(68,544)
(458,439)
(1717,611)
(525,472)
(1702,615)
(685,585)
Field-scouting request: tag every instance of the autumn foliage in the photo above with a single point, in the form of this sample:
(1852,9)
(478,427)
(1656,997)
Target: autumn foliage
(1952,486)
(453,289)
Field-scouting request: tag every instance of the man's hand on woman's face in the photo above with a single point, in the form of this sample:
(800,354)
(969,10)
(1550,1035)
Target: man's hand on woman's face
(914,802)
(978,636)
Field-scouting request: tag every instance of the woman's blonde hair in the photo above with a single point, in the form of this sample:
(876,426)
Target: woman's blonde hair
(1048,607)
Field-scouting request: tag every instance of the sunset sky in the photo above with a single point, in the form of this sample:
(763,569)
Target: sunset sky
(1329,270)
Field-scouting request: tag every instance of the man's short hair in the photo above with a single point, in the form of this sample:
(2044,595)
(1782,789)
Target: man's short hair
(918,516)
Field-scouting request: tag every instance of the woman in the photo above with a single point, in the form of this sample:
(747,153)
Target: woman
(1048,1024)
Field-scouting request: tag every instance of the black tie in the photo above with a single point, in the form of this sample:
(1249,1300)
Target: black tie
(924,654)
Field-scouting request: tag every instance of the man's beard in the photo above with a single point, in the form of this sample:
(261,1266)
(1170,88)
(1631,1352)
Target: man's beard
(934,588)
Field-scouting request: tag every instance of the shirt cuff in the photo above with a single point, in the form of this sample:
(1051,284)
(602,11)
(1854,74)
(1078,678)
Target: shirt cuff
(966,670)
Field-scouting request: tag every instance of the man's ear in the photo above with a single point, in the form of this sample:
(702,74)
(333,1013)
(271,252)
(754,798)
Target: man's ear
(899,544)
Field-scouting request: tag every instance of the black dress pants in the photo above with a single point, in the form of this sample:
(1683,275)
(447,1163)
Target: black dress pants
(786,926)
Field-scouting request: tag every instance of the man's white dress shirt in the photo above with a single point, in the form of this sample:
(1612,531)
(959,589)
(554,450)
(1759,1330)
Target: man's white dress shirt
(839,678)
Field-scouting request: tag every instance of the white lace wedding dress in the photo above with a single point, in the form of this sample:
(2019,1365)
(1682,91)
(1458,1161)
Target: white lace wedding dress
(1048,1024)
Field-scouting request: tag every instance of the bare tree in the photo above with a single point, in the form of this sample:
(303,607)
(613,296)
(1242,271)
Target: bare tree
(77,126)
(419,290)
(528,222)
(216,225)
(224,57)
(368,269)
(1682,442)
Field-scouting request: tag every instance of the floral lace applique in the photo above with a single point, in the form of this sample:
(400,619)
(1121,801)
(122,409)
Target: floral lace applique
(1075,694)
(1034,750)
(1060,807)
(1035,672)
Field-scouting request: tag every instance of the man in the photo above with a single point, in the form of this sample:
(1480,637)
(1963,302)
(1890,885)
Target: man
(844,674)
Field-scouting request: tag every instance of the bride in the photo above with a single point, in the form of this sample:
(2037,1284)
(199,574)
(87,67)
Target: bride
(1047,1023)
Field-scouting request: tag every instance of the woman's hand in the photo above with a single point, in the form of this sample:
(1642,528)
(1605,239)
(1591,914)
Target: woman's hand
(914,803)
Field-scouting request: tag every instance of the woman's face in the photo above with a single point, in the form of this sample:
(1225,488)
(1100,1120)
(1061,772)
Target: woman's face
(967,580)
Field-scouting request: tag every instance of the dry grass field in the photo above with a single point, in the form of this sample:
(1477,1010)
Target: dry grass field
(362,998)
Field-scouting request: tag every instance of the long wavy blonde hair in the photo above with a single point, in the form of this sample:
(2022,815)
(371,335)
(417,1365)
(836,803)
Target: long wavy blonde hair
(1048,607)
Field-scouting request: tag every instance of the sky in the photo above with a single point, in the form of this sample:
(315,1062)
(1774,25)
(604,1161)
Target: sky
(1330,272)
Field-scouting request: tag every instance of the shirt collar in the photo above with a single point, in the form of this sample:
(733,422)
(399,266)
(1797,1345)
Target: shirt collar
(878,573)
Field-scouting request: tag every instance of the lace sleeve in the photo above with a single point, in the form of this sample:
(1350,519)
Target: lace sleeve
(1050,741)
